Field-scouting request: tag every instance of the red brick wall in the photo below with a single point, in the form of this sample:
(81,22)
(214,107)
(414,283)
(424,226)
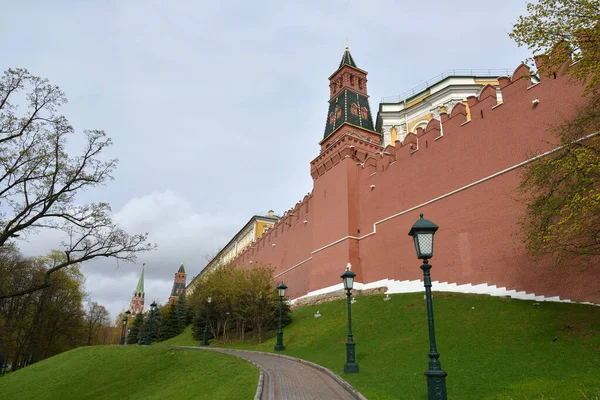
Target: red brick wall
(479,240)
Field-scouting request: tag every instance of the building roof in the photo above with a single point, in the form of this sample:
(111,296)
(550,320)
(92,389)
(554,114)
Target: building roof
(140,286)
(347,59)
(181,269)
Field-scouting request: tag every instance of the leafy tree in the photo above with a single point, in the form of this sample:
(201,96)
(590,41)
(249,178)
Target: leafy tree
(44,323)
(562,190)
(96,318)
(562,31)
(39,179)
(136,330)
(242,301)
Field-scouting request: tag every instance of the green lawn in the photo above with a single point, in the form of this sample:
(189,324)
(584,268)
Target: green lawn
(133,372)
(491,348)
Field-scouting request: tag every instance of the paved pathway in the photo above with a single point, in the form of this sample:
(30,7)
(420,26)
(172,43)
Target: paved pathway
(285,378)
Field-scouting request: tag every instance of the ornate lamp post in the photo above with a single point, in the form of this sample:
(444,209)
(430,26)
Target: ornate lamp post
(422,232)
(127,313)
(148,336)
(281,291)
(351,367)
(205,334)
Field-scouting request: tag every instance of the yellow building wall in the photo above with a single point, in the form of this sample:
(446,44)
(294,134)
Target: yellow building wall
(394,135)
(417,100)
(484,82)
(412,124)
(260,228)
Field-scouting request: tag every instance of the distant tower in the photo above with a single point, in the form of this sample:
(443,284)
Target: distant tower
(349,110)
(137,300)
(178,285)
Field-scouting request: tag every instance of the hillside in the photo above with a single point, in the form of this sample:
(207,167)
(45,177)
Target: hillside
(133,372)
(491,348)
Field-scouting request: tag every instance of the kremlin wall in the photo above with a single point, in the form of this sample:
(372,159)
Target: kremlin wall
(462,171)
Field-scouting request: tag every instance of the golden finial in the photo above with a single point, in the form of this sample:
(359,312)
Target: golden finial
(347,47)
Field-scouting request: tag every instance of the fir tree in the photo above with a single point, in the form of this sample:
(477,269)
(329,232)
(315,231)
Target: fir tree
(156,324)
(171,325)
(135,330)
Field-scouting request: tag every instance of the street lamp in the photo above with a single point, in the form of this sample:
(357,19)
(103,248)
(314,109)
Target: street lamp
(351,367)
(281,291)
(422,232)
(148,336)
(127,313)
(205,334)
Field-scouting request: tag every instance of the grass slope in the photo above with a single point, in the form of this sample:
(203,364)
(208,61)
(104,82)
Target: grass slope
(491,348)
(133,372)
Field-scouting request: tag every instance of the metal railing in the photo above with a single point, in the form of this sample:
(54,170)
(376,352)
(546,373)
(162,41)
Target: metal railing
(451,72)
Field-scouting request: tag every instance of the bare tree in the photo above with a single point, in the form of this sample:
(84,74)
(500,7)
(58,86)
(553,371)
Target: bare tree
(39,180)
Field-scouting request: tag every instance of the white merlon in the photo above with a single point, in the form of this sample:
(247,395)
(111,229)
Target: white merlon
(416,286)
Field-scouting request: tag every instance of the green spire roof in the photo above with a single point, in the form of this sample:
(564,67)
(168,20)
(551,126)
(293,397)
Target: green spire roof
(347,59)
(181,269)
(140,286)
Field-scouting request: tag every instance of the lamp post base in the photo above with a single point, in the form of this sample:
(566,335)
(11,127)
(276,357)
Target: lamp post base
(279,346)
(436,384)
(351,367)
(204,341)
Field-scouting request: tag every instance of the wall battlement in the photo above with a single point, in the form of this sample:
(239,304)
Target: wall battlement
(462,171)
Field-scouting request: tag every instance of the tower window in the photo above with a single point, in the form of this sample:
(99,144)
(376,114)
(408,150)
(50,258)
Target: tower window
(354,109)
(364,113)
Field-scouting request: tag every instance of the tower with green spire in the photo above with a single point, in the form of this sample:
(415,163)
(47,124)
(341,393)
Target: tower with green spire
(178,285)
(137,300)
(349,110)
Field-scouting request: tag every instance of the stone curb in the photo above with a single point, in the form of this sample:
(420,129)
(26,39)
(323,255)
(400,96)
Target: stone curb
(329,372)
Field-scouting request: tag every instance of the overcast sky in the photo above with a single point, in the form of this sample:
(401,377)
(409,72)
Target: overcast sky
(216,108)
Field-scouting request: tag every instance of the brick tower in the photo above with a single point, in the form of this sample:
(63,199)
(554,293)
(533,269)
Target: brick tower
(349,110)
(178,285)
(349,140)
(137,300)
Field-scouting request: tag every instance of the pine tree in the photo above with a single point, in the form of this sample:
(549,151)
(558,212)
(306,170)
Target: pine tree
(135,330)
(156,325)
(171,326)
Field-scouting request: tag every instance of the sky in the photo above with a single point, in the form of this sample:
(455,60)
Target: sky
(216,108)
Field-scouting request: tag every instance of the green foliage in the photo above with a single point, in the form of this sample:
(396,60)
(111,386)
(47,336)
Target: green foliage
(491,347)
(172,325)
(136,332)
(563,213)
(562,190)
(121,373)
(242,301)
(152,323)
(563,31)
(42,323)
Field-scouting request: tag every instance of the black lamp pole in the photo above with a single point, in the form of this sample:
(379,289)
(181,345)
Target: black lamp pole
(148,336)
(281,291)
(422,232)
(127,313)
(205,333)
(351,367)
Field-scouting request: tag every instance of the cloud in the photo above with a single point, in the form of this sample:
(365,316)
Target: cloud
(182,233)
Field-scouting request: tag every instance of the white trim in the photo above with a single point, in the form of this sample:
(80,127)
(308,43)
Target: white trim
(416,286)
(291,268)
(463,188)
